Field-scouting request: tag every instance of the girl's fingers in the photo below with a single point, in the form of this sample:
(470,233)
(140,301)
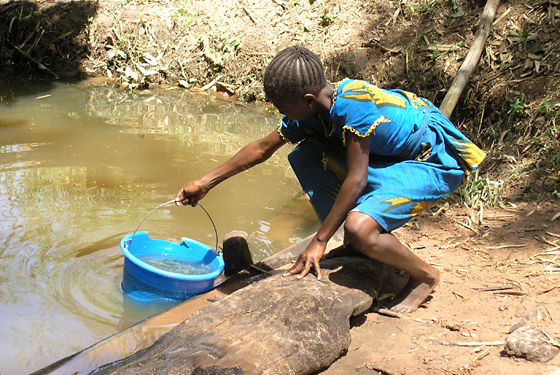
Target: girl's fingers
(305,271)
(318,271)
(308,266)
(304,267)
(180,198)
(298,266)
(295,269)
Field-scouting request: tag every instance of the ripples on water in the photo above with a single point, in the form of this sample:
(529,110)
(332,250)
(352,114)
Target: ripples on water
(80,168)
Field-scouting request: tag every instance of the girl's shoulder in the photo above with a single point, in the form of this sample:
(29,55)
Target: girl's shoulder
(362,91)
(355,89)
(356,92)
(351,84)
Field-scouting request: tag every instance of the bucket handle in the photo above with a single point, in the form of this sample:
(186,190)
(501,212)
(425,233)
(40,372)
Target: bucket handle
(173,201)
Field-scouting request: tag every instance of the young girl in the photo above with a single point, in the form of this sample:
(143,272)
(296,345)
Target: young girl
(367,157)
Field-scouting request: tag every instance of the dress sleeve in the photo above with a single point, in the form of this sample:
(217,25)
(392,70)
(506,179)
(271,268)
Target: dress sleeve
(290,131)
(355,109)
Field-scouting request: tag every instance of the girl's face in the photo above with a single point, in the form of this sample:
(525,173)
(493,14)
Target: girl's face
(295,109)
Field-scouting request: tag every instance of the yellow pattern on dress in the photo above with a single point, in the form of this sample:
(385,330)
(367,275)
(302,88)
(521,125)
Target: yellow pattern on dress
(375,124)
(282,135)
(415,101)
(401,201)
(469,153)
(361,91)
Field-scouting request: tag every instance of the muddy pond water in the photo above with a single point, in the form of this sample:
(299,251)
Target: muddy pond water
(80,167)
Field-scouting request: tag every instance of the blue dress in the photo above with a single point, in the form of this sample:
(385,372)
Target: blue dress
(417,156)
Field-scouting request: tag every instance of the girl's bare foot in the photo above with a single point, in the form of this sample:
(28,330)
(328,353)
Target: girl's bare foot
(414,293)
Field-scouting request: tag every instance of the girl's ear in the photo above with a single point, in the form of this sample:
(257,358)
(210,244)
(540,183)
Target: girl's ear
(309,98)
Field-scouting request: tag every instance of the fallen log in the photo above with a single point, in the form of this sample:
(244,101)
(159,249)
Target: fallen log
(279,325)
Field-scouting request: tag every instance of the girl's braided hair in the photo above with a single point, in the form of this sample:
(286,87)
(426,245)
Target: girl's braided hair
(294,71)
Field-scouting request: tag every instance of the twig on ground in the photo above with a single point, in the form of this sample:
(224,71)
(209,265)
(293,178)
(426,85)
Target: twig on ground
(503,247)
(443,48)
(528,230)
(249,14)
(499,216)
(547,241)
(549,340)
(400,316)
(406,66)
(464,225)
(549,314)
(525,293)
(502,16)
(494,289)
(550,251)
(483,354)
(281,4)
(256,53)
(209,86)
(394,18)
(474,343)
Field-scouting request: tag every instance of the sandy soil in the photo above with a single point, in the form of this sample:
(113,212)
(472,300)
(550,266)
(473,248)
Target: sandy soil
(495,271)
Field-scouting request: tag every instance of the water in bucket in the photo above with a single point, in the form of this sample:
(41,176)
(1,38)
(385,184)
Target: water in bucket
(183,267)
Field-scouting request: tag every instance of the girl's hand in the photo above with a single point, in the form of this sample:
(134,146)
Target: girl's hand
(309,258)
(191,193)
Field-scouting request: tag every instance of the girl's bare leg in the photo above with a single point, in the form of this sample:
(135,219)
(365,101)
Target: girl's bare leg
(369,238)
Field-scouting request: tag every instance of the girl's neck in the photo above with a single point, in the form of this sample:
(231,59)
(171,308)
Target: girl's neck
(324,101)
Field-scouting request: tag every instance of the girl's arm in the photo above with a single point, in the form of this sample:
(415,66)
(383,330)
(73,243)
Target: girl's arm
(254,153)
(357,161)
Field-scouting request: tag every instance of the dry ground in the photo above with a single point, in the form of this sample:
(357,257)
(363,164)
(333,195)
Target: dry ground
(493,275)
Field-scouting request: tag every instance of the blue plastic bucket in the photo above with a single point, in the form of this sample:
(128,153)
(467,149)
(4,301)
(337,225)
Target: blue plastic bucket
(143,281)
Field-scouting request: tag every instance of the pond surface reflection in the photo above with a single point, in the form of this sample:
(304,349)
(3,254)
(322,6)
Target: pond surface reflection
(81,167)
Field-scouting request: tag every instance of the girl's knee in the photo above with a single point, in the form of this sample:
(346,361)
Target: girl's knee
(360,229)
